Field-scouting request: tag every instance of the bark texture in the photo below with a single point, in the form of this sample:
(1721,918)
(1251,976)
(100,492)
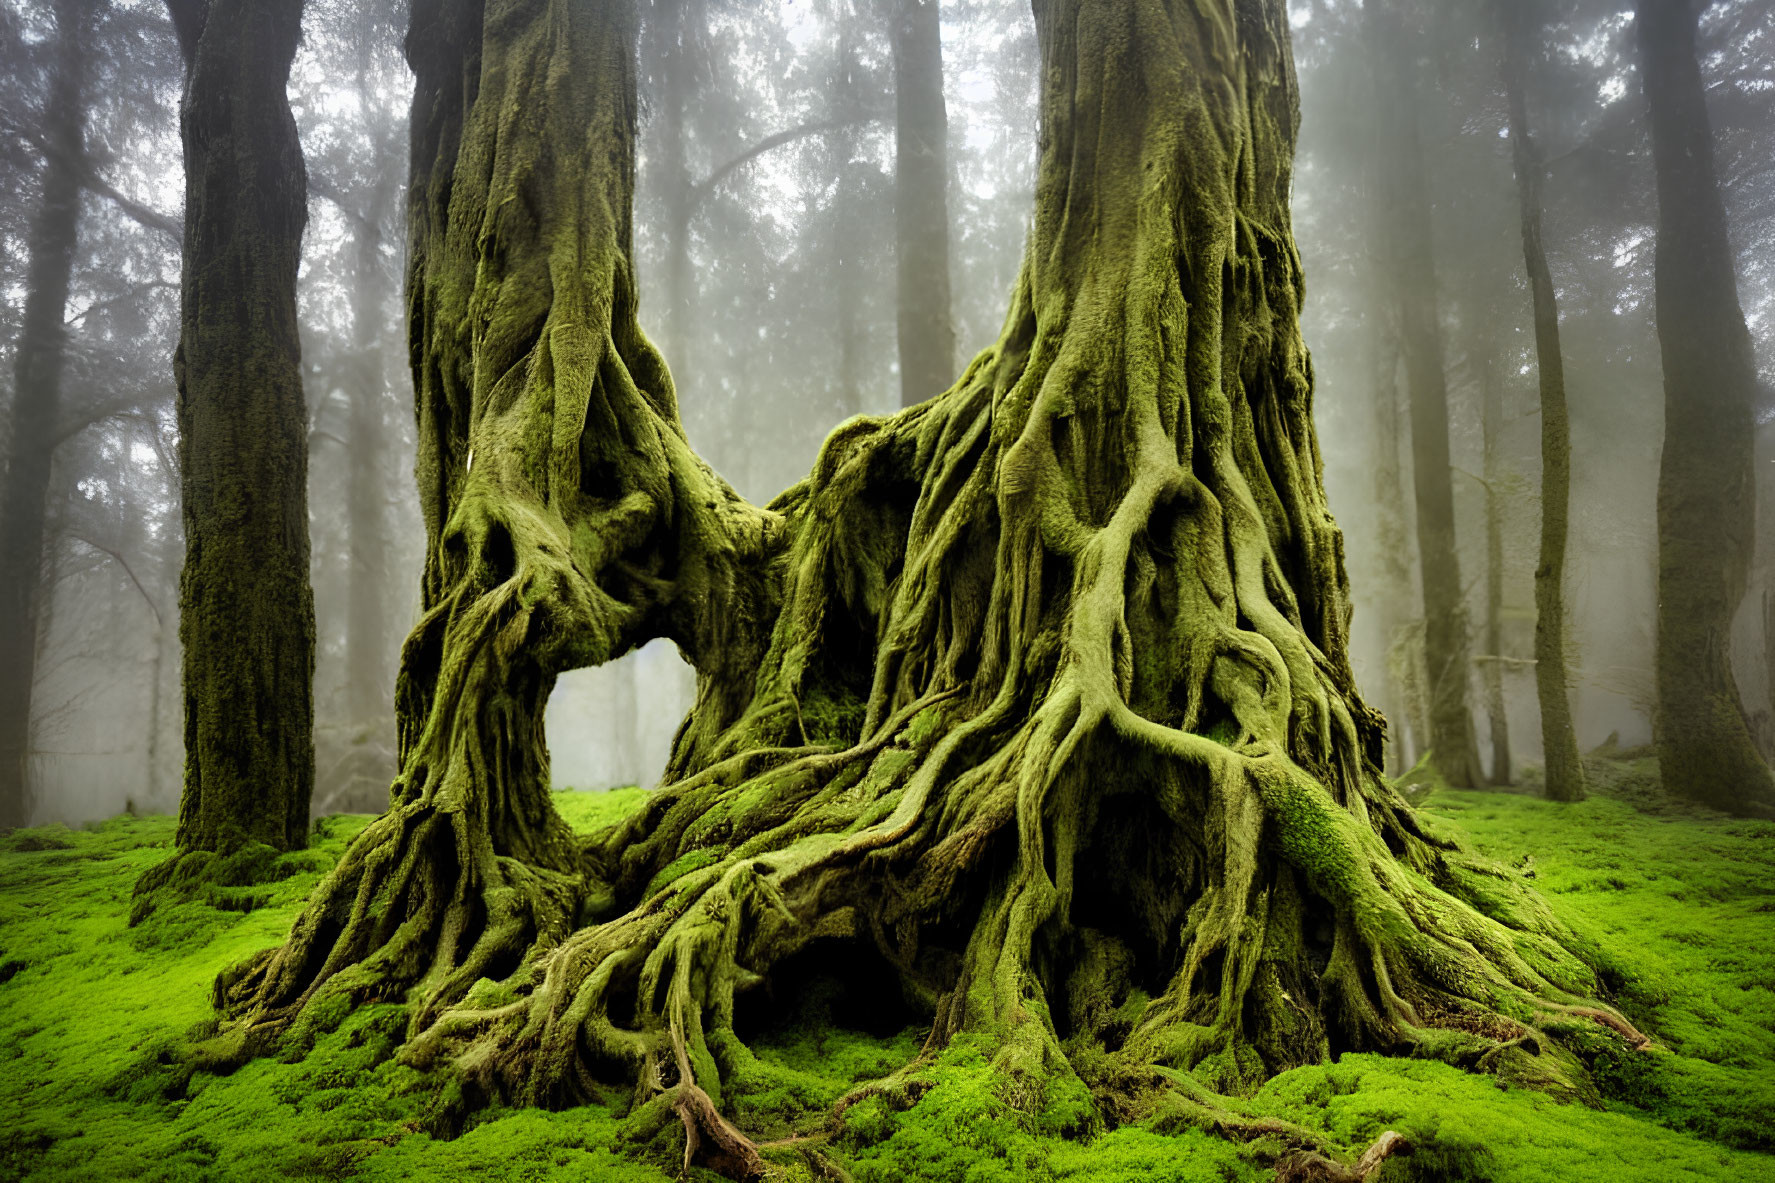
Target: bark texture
(1454,749)
(1559,739)
(1706,495)
(1035,696)
(921,202)
(246,612)
(36,403)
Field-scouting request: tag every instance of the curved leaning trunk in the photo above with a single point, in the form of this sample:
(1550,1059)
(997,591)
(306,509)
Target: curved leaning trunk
(1559,738)
(1038,690)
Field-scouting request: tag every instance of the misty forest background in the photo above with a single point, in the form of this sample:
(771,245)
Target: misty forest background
(770,261)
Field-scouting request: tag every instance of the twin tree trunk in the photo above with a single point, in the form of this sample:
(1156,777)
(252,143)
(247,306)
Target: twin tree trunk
(246,613)
(36,404)
(1559,740)
(1706,488)
(1034,695)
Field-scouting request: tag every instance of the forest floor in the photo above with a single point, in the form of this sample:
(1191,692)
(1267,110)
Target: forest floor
(92,1013)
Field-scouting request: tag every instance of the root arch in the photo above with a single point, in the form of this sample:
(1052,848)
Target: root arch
(1040,688)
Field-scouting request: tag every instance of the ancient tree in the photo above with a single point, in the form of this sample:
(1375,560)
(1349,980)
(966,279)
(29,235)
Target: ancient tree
(921,201)
(1036,694)
(1559,740)
(35,412)
(1706,494)
(246,613)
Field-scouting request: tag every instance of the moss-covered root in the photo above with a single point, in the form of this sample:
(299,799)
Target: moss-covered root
(1036,695)
(567,520)
(711,1140)
(1056,715)
(1312,1167)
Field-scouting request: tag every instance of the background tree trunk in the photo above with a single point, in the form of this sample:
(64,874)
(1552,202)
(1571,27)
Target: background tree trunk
(1559,739)
(675,31)
(1706,506)
(921,203)
(36,403)
(246,610)
(369,678)
(1454,748)
(1491,395)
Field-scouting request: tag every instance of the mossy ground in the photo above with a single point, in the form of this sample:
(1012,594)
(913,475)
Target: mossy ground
(93,1014)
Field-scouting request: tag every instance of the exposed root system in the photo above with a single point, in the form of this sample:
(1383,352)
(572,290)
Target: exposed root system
(1037,691)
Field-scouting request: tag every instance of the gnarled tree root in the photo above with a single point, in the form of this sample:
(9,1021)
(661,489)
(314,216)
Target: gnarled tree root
(711,1140)
(1312,1167)
(1037,693)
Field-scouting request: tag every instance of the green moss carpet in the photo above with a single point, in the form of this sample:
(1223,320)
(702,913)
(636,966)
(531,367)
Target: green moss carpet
(94,1013)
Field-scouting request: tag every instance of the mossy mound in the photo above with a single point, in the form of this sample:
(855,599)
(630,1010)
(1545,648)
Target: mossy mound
(96,1018)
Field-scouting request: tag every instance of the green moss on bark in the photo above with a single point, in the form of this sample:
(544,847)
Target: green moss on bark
(1046,674)
(1706,487)
(246,611)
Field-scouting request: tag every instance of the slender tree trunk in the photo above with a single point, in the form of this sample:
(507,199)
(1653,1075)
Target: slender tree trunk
(1454,748)
(36,404)
(1395,578)
(847,312)
(1491,392)
(1559,739)
(674,27)
(369,680)
(921,202)
(849,227)
(1706,507)
(1401,617)
(625,717)
(246,608)
(151,748)
(1767,738)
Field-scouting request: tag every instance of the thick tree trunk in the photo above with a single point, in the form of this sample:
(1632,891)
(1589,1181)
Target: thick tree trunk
(1559,739)
(1706,507)
(566,518)
(1453,746)
(1035,696)
(36,404)
(246,609)
(921,201)
(1491,395)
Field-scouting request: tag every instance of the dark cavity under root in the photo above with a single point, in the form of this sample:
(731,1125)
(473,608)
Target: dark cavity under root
(873,847)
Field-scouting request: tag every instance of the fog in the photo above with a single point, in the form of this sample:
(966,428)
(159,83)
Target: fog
(766,239)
